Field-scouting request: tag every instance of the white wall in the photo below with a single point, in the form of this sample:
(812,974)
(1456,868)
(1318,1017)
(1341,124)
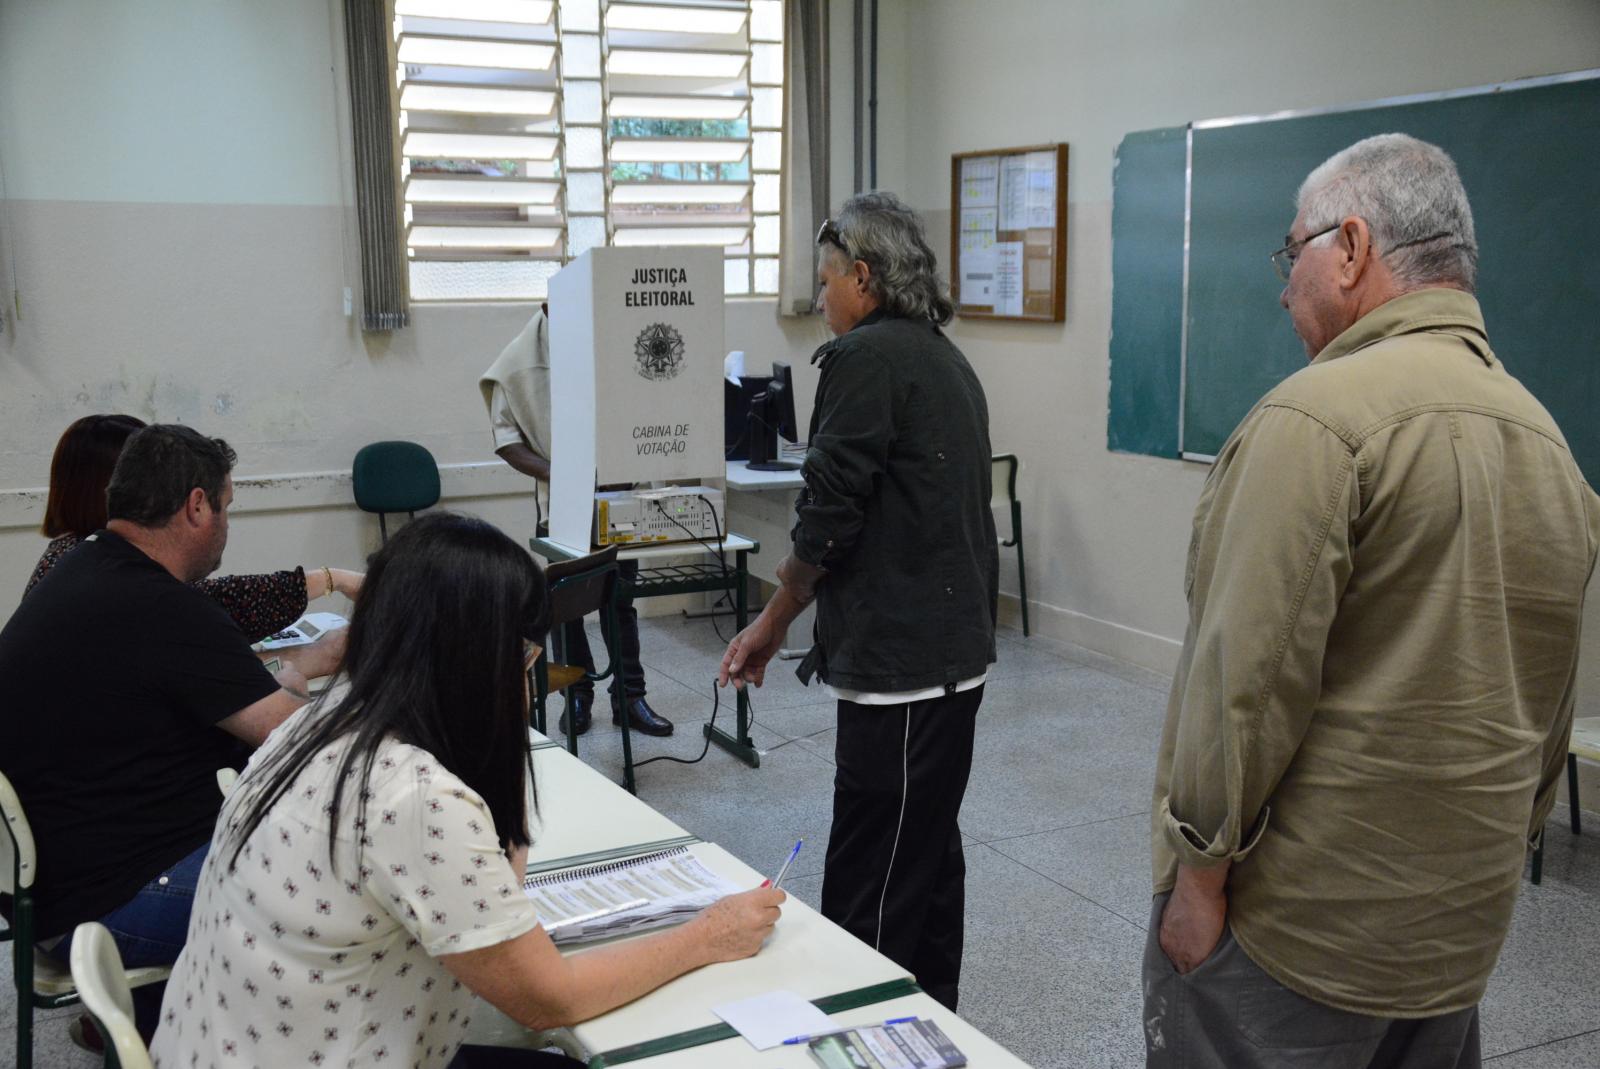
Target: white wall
(179,220)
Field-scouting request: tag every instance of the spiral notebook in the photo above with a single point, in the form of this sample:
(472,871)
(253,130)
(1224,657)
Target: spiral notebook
(622,897)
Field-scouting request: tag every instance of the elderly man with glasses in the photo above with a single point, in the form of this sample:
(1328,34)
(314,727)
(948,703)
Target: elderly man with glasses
(894,539)
(1370,714)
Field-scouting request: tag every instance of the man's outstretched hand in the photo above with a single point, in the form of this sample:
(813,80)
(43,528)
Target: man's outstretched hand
(749,652)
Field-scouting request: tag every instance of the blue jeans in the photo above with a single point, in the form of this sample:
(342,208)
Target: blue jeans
(150,929)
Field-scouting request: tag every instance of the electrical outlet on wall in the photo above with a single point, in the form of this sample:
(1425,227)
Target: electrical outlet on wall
(349,304)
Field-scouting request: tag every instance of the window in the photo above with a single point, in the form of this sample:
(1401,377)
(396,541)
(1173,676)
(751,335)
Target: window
(534,130)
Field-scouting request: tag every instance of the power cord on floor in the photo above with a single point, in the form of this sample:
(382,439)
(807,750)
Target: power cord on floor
(716,703)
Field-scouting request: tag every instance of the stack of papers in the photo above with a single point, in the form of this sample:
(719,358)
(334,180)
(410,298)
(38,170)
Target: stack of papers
(623,897)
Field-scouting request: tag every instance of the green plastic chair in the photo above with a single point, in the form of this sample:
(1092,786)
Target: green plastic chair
(1003,495)
(394,477)
(41,984)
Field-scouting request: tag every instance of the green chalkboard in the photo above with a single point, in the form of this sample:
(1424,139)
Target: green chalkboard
(1528,156)
(1147,292)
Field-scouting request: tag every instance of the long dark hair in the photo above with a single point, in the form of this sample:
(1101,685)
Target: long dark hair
(434,659)
(80,470)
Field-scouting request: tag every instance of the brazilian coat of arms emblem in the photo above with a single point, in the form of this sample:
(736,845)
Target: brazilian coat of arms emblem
(658,352)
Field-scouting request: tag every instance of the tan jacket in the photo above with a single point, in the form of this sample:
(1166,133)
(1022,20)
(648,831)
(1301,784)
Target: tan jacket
(1385,585)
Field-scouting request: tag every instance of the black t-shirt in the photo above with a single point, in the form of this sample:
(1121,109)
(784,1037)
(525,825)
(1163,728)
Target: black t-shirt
(113,675)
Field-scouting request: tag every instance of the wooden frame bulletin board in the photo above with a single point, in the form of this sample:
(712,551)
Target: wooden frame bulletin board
(1008,233)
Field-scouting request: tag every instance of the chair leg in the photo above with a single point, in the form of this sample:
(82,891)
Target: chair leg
(627,754)
(572,726)
(541,691)
(22,933)
(1022,567)
(383,528)
(1572,793)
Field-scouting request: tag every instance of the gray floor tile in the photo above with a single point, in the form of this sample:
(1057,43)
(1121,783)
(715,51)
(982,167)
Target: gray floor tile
(1544,987)
(1059,749)
(1579,1052)
(1107,862)
(1049,975)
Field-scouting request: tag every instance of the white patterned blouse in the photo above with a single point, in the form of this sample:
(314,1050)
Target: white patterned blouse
(291,960)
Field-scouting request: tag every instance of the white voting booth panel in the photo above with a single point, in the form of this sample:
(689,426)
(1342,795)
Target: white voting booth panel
(635,375)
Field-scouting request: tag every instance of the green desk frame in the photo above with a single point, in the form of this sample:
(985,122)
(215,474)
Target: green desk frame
(691,579)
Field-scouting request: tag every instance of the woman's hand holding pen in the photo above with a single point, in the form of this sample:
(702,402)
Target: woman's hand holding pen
(735,927)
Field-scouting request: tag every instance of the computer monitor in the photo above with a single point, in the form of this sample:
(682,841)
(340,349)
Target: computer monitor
(758,411)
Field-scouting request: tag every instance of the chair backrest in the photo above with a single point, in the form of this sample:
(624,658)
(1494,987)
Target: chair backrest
(1003,488)
(582,585)
(19,862)
(395,477)
(103,985)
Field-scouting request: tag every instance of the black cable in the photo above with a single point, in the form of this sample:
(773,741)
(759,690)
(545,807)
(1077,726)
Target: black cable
(716,703)
(700,541)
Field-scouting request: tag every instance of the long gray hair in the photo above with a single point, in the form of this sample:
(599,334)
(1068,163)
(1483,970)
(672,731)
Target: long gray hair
(1409,193)
(882,230)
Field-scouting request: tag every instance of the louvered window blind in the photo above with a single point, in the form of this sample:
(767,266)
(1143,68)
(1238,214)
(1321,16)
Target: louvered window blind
(533,130)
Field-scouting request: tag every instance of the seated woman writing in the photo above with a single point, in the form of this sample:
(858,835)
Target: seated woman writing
(261,605)
(365,878)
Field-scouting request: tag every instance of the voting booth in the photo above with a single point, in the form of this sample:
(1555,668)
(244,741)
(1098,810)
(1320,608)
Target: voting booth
(636,347)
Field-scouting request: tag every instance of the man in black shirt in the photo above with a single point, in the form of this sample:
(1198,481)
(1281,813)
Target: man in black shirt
(125,690)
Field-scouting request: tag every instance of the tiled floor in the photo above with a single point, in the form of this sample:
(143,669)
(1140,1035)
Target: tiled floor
(1056,820)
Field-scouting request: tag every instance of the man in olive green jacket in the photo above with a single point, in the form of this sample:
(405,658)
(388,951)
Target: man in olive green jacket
(1385,585)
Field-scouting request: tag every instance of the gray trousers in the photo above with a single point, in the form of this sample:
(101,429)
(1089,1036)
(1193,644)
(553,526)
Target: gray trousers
(1227,1013)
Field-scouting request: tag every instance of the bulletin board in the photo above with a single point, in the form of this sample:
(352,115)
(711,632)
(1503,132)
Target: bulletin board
(1008,233)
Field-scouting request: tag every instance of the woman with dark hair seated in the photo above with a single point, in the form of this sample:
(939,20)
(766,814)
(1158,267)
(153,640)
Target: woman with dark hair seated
(261,605)
(365,877)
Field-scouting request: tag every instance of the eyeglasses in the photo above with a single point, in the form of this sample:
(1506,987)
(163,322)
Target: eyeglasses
(829,232)
(1283,260)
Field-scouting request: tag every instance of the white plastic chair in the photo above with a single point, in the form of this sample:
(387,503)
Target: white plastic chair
(103,985)
(40,982)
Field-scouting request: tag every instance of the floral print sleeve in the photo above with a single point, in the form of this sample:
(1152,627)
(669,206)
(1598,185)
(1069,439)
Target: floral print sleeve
(261,605)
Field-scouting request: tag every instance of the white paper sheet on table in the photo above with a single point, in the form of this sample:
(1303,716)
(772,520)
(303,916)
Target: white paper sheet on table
(767,1020)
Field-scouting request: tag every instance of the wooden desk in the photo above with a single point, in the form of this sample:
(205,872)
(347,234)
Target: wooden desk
(657,578)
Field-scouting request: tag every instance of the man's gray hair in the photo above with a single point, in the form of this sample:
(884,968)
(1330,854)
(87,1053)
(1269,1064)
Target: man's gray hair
(882,230)
(1409,193)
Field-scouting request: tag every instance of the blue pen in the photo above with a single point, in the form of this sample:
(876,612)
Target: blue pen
(847,1028)
(778,879)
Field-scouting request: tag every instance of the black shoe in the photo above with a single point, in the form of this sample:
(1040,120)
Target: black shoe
(642,718)
(581,707)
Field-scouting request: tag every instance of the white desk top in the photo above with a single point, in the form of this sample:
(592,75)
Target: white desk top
(731,543)
(581,813)
(981,1051)
(806,954)
(740,477)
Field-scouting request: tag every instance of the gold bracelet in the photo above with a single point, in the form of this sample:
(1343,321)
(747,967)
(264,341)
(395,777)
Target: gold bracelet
(327,573)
